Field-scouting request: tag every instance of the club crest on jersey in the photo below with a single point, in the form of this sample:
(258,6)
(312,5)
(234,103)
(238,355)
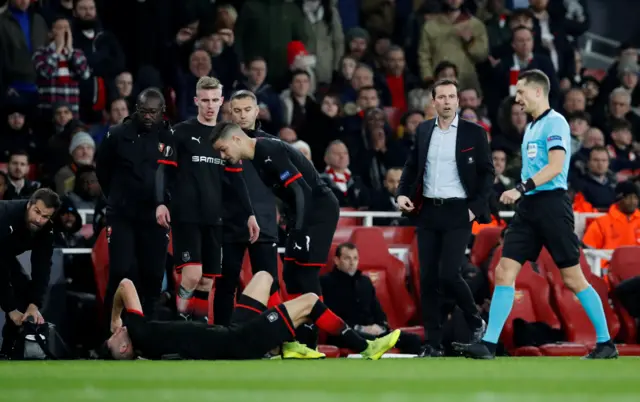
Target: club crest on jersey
(186,256)
(272,317)
(161,147)
(285,175)
(108,234)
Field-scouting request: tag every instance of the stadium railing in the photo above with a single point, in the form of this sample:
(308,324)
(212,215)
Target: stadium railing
(594,257)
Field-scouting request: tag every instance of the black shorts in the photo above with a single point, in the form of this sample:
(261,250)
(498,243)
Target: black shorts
(252,336)
(198,245)
(543,219)
(321,228)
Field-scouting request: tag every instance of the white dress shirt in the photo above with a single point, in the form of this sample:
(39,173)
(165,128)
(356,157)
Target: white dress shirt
(441,179)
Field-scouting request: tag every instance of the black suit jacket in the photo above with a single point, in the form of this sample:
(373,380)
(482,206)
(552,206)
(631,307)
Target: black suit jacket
(473,159)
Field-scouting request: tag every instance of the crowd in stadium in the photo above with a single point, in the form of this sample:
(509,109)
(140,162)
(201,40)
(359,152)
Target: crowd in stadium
(345,82)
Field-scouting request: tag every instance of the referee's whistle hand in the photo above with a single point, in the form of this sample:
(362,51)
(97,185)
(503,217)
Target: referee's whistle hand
(163,217)
(510,196)
(405,204)
(254,229)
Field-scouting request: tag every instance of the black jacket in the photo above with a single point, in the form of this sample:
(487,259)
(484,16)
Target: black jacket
(262,200)
(352,298)
(473,159)
(15,239)
(126,167)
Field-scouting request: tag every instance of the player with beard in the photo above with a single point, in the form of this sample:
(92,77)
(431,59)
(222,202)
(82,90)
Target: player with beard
(130,166)
(311,209)
(196,202)
(25,225)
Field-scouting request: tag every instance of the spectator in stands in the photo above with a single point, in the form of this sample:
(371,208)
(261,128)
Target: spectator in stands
(374,151)
(304,148)
(300,108)
(575,100)
(270,114)
(398,78)
(17,134)
(591,88)
(347,187)
(287,134)
(58,145)
(298,58)
(225,112)
(501,182)
(124,87)
(357,41)
(104,55)
(327,126)
(628,74)
(599,183)
(470,97)
(66,227)
(199,66)
(579,203)
(22,31)
(385,199)
(86,190)
(82,150)
(352,295)
(224,58)
(520,17)
(328,38)
(621,153)
(627,54)
(342,76)
(264,28)
(421,99)
(363,77)
(368,98)
(445,70)
(580,159)
(60,67)
(116,112)
(19,186)
(407,131)
(4,184)
(579,123)
(494,14)
(555,43)
(576,77)
(472,115)
(455,36)
(511,122)
(619,107)
(524,58)
(378,17)
(621,225)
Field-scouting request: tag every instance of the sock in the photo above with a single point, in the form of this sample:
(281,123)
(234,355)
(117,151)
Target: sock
(200,303)
(593,306)
(501,304)
(308,334)
(274,299)
(326,320)
(183,299)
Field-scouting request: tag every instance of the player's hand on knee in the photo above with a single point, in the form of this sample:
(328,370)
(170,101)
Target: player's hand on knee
(163,217)
(510,196)
(298,245)
(405,204)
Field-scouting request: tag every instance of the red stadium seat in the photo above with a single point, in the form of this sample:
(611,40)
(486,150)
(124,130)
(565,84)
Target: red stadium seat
(398,235)
(596,73)
(381,285)
(343,233)
(625,264)
(4,167)
(531,304)
(344,221)
(377,257)
(414,273)
(485,240)
(332,352)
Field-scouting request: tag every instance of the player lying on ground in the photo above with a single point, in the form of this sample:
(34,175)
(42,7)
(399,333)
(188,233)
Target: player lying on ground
(254,330)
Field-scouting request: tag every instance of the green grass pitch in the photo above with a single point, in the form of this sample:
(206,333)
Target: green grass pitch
(387,380)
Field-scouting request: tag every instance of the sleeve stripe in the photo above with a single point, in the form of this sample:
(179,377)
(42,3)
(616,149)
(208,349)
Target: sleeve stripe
(132,311)
(166,162)
(291,180)
(232,169)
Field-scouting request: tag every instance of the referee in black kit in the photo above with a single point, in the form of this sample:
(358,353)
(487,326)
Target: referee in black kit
(196,202)
(449,174)
(264,252)
(130,166)
(25,225)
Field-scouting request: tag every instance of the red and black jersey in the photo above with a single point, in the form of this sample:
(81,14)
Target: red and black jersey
(292,177)
(196,192)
